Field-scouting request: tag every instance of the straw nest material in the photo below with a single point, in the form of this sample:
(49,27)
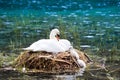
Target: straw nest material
(48,63)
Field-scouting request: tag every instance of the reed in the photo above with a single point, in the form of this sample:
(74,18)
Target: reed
(30,28)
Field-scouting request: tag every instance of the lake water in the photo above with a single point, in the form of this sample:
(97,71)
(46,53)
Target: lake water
(88,24)
(23,22)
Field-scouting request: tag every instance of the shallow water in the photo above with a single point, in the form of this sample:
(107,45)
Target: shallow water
(14,75)
(89,25)
(90,74)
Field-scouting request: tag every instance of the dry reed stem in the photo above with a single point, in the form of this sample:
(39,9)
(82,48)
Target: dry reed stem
(43,61)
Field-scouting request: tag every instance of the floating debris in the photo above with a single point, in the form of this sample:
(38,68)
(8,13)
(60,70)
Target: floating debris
(89,37)
(85,46)
(99,34)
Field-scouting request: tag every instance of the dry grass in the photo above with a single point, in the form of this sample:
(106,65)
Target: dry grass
(46,62)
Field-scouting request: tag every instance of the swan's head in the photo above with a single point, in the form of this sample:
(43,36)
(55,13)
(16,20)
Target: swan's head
(54,34)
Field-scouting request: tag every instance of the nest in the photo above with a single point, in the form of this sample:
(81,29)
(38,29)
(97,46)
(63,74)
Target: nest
(48,63)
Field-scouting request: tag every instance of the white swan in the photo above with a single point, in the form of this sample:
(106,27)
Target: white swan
(55,45)
(49,45)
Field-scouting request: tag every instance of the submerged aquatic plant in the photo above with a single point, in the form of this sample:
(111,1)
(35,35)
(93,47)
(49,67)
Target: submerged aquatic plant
(114,55)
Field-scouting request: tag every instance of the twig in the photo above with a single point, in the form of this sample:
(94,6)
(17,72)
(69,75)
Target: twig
(100,68)
(87,57)
(114,70)
(75,61)
(58,60)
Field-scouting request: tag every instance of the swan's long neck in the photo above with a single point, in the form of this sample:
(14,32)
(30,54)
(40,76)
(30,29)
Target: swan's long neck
(54,33)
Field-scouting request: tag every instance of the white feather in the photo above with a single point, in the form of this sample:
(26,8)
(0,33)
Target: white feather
(23,69)
(81,63)
(74,53)
(65,44)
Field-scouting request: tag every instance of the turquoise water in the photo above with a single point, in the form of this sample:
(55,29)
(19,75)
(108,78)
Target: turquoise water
(96,21)
(89,24)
